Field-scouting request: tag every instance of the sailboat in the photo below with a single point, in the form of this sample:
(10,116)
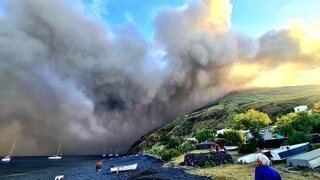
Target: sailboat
(8,158)
(104,152)
(110,155)
(116,153)
(58,155)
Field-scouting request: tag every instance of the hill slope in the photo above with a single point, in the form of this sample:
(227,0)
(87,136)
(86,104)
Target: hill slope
(273,101)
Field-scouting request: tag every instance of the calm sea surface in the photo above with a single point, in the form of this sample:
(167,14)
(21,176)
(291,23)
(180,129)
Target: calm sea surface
(26,164)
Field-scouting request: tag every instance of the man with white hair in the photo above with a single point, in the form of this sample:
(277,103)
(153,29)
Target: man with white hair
(264,171)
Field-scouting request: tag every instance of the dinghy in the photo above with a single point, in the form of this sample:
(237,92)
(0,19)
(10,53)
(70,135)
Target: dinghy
(249,158)
(285,152)
(231,148)
(58,155)
(130,167)
(8,158)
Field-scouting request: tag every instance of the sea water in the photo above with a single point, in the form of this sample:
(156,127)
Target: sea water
(28,164)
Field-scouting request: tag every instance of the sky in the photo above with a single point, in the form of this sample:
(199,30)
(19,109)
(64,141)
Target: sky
(251,17)
(104,73)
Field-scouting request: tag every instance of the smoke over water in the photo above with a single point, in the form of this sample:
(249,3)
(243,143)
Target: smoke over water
(67,78)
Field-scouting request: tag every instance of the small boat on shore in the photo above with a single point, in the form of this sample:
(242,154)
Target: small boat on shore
(8,158)
(285,152)
(231,148)
(130,167)
(58,155)
(249,158)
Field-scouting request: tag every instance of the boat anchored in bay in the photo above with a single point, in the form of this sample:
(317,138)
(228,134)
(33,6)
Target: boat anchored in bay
(8,158)
(58,155)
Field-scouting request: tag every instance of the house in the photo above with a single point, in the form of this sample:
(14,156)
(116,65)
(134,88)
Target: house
(301,108)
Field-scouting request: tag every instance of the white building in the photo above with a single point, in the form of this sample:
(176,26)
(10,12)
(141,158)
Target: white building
(301,108)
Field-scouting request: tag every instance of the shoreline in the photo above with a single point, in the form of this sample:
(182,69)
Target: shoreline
(149,167)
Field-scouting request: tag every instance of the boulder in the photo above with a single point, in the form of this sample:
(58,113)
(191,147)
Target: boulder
(199,160)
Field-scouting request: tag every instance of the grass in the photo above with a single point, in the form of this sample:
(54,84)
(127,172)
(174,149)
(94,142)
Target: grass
(239,171)
(246,171)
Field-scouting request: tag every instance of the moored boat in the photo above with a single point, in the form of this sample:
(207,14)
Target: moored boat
(58,155)
(8,158)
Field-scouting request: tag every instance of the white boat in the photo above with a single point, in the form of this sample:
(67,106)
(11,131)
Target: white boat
(8,158)
(58,155)
(231,148)
(130,167)
(285,152)
(116,154)
(249,158)
(110,155)
(104,152)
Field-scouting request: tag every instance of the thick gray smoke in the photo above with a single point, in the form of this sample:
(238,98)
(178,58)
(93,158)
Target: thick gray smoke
(67,78)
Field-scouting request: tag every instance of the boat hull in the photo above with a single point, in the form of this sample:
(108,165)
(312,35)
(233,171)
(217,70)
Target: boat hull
(54,157)
(5,159)
(285,152)
(124,168)
(249,158)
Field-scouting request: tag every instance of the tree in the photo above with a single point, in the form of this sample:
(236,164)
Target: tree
(252,120)
(232,137)
(301,121)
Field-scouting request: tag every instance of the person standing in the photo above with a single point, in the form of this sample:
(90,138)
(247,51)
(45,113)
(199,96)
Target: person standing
(98,166)
(263,171)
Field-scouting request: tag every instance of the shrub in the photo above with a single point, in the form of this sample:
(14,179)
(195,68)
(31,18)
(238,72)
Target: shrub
(298,137)
(232,137)
(171,142)
(249,147)
(186,147)
(174,142)
(209,163)
(205,135)
(168,154)
(316,108)
(164,139)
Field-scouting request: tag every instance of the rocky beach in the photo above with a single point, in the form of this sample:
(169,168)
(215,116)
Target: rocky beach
(148,168)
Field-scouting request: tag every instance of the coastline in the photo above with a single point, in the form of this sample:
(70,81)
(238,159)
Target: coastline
(148,168)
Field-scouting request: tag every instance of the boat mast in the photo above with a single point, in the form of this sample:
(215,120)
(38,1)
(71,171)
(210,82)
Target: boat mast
(59,149)
(11,150)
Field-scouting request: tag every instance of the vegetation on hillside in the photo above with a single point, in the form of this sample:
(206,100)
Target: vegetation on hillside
(275,102)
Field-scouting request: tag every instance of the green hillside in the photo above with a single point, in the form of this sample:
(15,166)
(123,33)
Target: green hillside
(219,114)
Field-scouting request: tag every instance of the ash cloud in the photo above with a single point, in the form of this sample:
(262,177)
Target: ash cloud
(67,78)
